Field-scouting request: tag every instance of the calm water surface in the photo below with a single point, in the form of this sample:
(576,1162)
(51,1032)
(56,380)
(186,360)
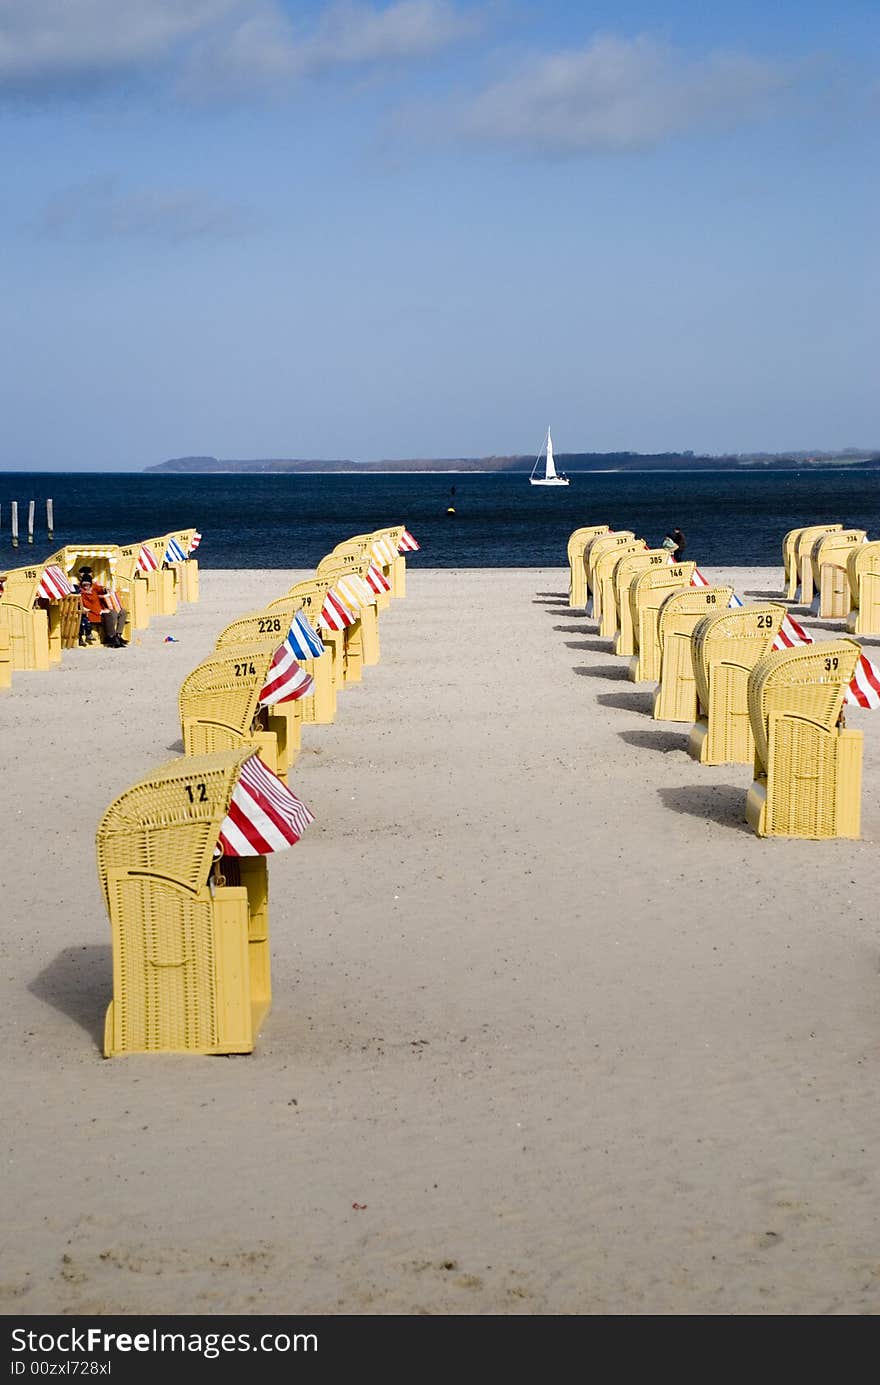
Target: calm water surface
(500,521)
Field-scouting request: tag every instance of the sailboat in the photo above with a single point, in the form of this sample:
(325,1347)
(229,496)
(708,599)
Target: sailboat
(544,471)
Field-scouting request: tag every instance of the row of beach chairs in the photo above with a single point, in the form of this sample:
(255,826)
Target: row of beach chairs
(746,678)
(182,853)
(40,607)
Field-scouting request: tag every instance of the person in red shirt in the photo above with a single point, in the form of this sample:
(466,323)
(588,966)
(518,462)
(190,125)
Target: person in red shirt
(99,614)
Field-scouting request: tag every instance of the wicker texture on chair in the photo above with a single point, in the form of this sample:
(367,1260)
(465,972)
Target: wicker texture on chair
(34,635)
(274,623)
(807,766)
(603,543)
(647,592)
(863,573)
(578,542)
(625,572)
(803,550)
(675,698)
(603,577)
(831,552)
(5,655)
(725,648)
(219,706)
(791,557)
(190,959)
(133,587)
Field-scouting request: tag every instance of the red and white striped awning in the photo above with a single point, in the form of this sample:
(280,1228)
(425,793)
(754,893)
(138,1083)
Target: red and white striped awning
(54,584)
(335,614)
(147,560)
(195,541)
(376,579)
(407,544)
(286,681)
(264,816)
(864,690)
(355,591)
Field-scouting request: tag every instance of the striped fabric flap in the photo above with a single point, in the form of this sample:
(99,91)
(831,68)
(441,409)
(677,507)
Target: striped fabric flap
(791,634)
(335,614)
(383,551)
(146,560)
(407,543)
(110,602)
(173,552)
(286,682)
(376,579)
(864,690)
(264,816)
(195,541)
(304,641)
(54,584)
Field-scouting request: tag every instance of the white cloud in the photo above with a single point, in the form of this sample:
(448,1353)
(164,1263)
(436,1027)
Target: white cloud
(61,45)
(619,94)
(101,208)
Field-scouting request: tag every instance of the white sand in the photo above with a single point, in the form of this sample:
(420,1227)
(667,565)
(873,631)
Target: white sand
(576,1037)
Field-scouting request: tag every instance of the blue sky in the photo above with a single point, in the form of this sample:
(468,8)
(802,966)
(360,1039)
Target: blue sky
(429,228)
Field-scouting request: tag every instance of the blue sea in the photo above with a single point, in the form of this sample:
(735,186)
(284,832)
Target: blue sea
(729,518)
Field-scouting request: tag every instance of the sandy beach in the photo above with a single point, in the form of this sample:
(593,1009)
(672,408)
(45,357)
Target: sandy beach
(552,1031)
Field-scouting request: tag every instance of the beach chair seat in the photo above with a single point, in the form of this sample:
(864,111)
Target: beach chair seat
(647,592)
(725,648)
(190,934)
(602,543)
(863,576)
(828,557)
(625,571)
(220,709)
(803,551)
(603,578)
(808,766)
(186,572)
(675,698)
(578,542)
(30,610)
(273,623)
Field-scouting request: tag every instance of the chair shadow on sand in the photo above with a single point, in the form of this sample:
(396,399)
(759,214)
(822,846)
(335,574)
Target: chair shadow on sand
(79,983)
(617,672)
(176,748)
(721,803)
(556,596)
(767,596)
(636,701)
(656,739)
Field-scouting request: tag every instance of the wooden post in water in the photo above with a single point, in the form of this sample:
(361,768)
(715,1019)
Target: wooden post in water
(50,519)
(31,508)
(14,507)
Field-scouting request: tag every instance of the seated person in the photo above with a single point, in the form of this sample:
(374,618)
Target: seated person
(98,610)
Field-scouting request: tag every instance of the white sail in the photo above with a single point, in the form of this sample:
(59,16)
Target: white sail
(550,468)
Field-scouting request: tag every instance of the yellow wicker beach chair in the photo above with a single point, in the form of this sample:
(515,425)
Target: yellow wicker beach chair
(791,557)
(863,573)
(647,592)
(349,576)
(5,657)
(602,543)
(578,542)
(381,548)
(103,559)
(829,556)
(359,551)
(603,579)
(625,572)
(808,767)
(220,708)
(319,710)
(34,629)
(804,557)
(188,571)
(274,624)
(725,648)
(347,644)
(394,533)
(191,970)
(676,696)
(133,589)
